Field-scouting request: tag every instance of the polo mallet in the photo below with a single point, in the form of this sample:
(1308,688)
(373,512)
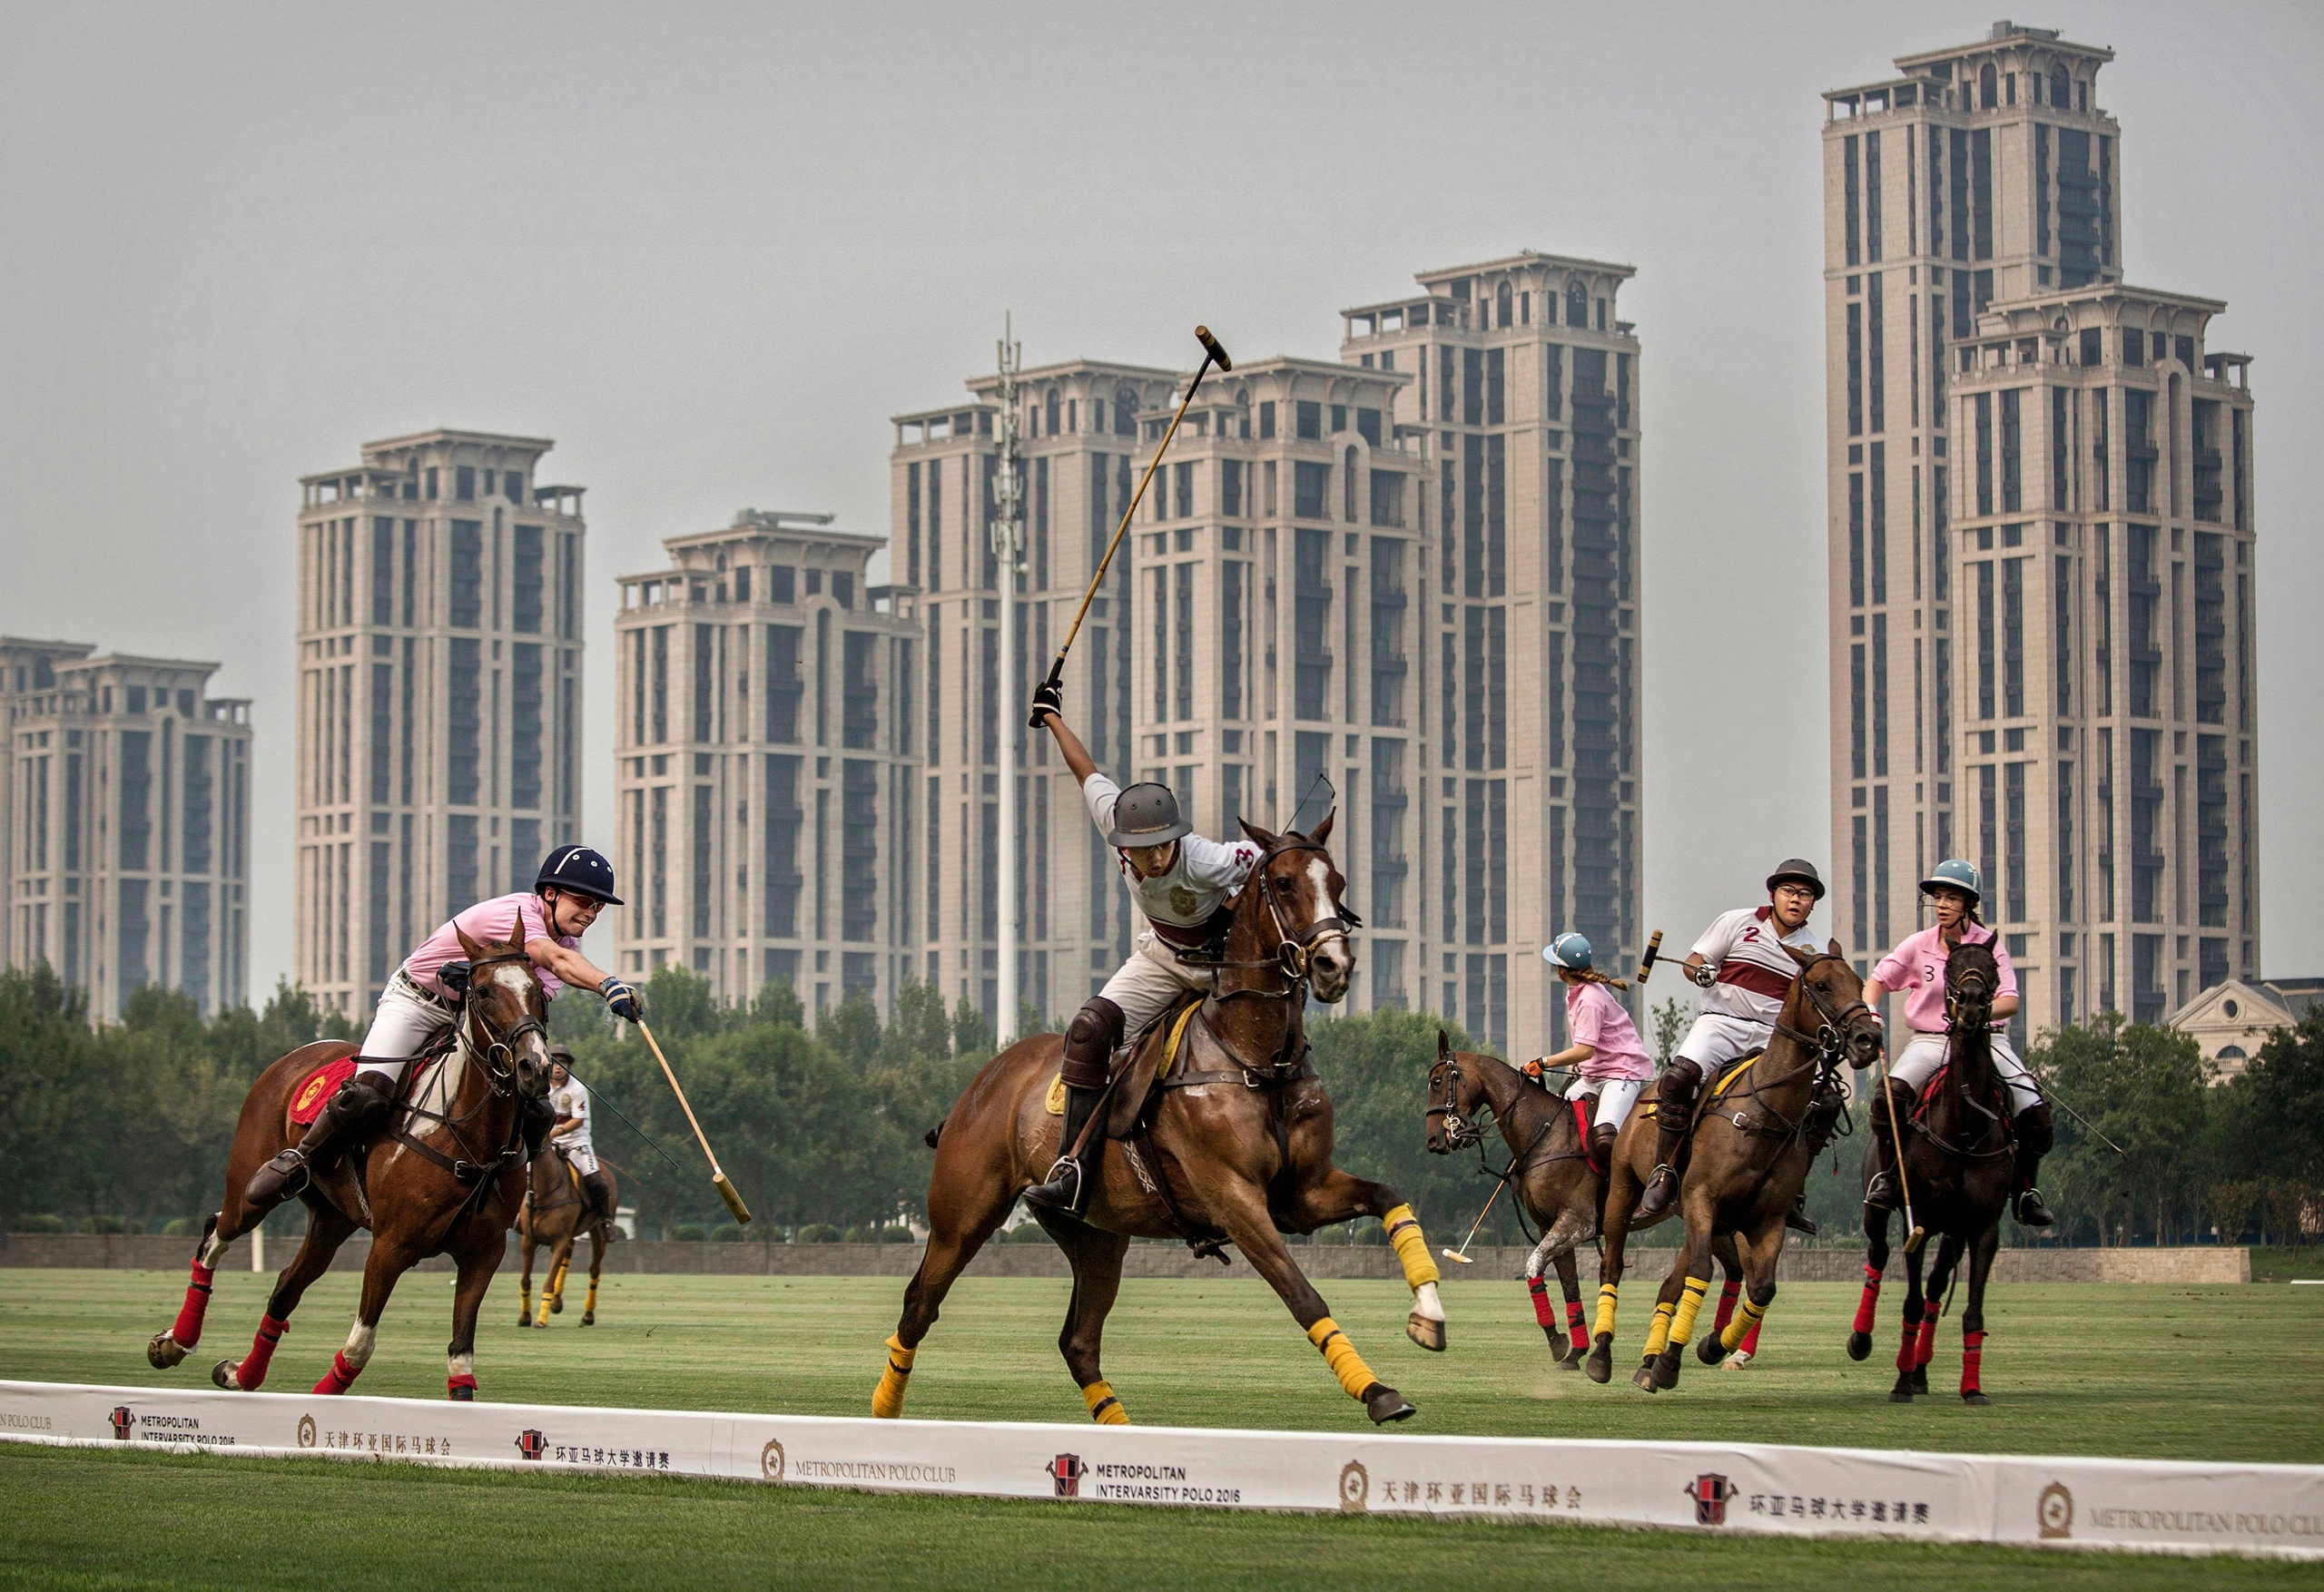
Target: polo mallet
(1212,354)
(1462,1254)
(1653,950)
(1896,1141)
(717,1178)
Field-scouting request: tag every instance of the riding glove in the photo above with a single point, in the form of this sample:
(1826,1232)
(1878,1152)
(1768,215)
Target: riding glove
(1049,697)
(623,1000)
(1703,974)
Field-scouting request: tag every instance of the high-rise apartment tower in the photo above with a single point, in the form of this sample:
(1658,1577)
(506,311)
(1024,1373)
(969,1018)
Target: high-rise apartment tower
(2041,543)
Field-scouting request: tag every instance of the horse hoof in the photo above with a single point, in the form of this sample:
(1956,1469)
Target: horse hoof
(1859,1345)
(1384,1404)
(1920,1383)
(1974,1398)
(163,1352)
(1737,1363)
(222,1375)
(463,1395)
(1710,1350)
(1645,1381)
(1666,1366)
(1600,1363)
(556,1307)
(589,1318)
(1900,1395)
(1429,1335)
(524,1319)
(1559,1351)
(1572,1362)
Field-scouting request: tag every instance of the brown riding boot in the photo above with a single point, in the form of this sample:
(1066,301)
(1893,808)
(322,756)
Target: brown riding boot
(1090,1042)
(598,1189)
(1674,1117)
(358,1111)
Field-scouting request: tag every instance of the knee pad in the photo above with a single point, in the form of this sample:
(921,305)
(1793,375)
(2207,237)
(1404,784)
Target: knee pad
(1090,1042)
(2035,1131)
(1681,1079)
(1601,1142)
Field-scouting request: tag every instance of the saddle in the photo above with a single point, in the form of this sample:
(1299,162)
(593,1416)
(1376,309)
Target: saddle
(1140,1065)
(307,1102)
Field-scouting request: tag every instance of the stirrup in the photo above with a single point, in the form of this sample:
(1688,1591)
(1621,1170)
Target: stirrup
(1798,1220)
(2033,1210)
(1056,1193)
(1663,1177)
(1880,1194)
(289,1172)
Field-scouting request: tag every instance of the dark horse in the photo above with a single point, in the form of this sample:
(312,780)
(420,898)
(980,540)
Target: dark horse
(1757,1132)
(1233,1146)
(1960,1166)
(444,1179)
(556,1216)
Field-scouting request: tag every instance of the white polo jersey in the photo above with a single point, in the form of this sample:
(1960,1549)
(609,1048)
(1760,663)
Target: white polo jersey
(1755,972)
(569,1099)
(1182,903)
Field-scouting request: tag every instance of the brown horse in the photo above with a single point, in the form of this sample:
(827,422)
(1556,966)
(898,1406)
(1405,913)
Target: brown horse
(1960,1166)
(444,1179)
(1233,1146)
(1757,1132)
(1563,1194)
(554,1216)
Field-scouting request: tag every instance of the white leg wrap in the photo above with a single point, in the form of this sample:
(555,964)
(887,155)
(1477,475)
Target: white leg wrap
(461,1364)
(213,1248)
(1425,1304)
(359,1339)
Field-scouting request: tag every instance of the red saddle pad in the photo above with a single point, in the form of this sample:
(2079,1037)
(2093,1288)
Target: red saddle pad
(307,1102)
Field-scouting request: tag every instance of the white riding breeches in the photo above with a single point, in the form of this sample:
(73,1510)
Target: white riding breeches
(403,1026)
(1145,985)
(1615,1098)
(1716,1041)
(1925,1053)
(584,1158)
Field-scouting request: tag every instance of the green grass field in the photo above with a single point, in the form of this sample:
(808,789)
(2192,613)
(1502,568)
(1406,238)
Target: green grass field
(2161,1371)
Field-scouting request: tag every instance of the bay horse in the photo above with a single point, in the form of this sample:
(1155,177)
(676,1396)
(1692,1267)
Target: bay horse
(445,1178)
(555,1215)
(1753,1142)
(1225,1133)
(1551,1175)
(1960,1165)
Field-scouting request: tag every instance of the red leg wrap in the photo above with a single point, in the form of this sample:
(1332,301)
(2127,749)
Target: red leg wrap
(1926,1348)
(1538,1288)
(251,1373)
(1866,1306)
(1578,1334)
(1908,1351)
(1751,1344)
(1973,1354)
(460,1387)
(1726,1298)
(187,1332)
(339,1377)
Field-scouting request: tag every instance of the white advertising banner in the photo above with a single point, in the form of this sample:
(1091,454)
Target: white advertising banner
(2144,1504)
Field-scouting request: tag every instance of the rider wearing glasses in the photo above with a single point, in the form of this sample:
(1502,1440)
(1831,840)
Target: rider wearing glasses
(423,1000)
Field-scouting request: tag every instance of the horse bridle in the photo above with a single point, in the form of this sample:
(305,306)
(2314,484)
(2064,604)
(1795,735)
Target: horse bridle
(1830,1041)
(497,1053)
(1460,1130)
(1296,948)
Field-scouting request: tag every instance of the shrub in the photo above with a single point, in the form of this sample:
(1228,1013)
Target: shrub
(726,1233)
(818,1233)
(41,1224)
(181,1227)
(686,1232)
(1025,1233)
(103,1225)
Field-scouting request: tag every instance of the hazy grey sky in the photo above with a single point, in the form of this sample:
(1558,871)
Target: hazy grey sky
(709,249)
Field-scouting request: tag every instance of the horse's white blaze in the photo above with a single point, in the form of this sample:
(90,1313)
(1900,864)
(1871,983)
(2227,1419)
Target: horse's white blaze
(359,1345)
(1426,1302)
(1319,874)
(462,1364)
(513,979)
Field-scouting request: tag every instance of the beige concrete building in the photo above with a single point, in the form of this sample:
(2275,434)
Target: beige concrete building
(767,778)
(2041,543)
(439,694)
(127,823)
(1369,570)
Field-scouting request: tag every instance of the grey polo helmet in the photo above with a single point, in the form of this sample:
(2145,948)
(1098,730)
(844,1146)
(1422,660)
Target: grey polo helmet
(1797,870)
(1146,814)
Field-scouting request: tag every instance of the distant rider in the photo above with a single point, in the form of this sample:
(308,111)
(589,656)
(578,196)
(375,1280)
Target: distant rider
(1608,1061)
(569,1099)
(1915,970)
(419,1003)
(1185,885)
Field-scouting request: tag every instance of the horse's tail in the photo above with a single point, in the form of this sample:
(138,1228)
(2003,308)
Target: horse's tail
(933,1133)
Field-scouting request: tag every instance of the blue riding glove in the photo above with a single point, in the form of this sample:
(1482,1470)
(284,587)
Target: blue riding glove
(622,999)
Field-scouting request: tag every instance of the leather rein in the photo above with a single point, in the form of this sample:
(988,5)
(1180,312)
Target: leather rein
(1967,1013)
(496,1060)
(1295,949)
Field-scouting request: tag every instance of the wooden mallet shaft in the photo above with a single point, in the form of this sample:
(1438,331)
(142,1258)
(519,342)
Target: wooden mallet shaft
(717,1177)
(1896,1140)
(1462,1254)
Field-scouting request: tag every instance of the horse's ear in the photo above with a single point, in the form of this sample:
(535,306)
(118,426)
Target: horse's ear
(1833,948)
(474,949)
(1443,1044)
(1323,829)
(1265,840)
(1807,959)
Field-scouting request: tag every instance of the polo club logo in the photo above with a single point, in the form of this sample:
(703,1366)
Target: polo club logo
(1710,1492)
(2053,1511)
(1067,1470)
(771,1461)
(123,1422)
(1356,1487)
(306,1432)
(530,1443)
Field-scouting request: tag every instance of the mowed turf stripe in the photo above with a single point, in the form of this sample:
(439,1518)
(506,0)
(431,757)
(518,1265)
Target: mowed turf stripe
(2215,1373)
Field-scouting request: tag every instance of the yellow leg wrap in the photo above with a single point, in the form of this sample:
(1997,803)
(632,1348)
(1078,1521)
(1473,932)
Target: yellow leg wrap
(540,1318)
(1747,1316)
(1355,1377)
(1690,1300)
(1411,1248)
(888,1399)
(590,1304)
(1104,1408)
(1607,1294)
(525,1301)
(1657,1336)
(556,1283)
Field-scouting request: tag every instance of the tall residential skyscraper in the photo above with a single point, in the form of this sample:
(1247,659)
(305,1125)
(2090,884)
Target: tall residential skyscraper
(1362,570)
(2041,527)
(767,781)
(127,817)
(439,694)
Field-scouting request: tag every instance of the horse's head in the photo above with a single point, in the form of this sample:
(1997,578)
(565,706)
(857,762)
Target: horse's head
(1834,992)
(1972,979)
(1453,1101)
(506,1015)
(1297,892)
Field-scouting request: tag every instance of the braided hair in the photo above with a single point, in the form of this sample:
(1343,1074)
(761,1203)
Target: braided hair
(1593,975)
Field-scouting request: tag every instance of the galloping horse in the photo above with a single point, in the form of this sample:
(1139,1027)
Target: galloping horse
(1751,1153)
(555,1215)
(1959,1166)
(1226,1135)
(445,1179)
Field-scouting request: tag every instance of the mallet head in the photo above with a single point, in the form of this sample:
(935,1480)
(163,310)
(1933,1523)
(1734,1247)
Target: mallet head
(1210,346)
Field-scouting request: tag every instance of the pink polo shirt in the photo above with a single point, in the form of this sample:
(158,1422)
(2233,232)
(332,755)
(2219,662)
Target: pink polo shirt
(1599,1020)
(1916,968)
(488,921)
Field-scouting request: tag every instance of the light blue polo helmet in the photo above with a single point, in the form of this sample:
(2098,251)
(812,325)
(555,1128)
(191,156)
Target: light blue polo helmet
(1568,950)
(1956,873)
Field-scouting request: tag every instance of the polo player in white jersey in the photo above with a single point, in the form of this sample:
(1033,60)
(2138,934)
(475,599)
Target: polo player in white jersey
(1185,887)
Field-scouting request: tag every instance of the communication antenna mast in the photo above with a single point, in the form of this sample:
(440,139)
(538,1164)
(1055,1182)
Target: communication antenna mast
(1008,532)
